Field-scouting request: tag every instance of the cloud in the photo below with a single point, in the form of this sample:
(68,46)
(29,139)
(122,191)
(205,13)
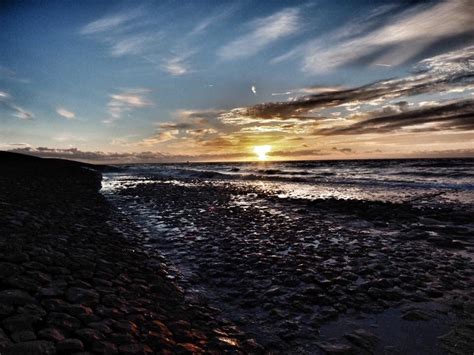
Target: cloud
(441,73)
(131,44)
(121,157)
(262,32)
(213,19)
(399,105)
(69,115)
(390,40)
(126,101)
(125,33)
(7,102)
(457,115)
(8,74)
(177,65)
(110,22)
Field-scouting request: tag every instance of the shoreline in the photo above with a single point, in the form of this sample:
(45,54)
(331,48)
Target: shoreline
(82,273)
(294,273)
(71,282)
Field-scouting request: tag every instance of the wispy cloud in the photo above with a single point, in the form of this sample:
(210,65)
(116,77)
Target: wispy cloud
(261,33)
(126,101)
(7,102)
(217,17)
(110,22)
(387,40)
(8,74)
(178,64)
(67,114)
(388,106)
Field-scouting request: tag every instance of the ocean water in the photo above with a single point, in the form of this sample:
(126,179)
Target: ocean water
(415,180)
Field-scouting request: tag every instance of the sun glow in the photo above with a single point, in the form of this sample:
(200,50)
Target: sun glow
(262,151)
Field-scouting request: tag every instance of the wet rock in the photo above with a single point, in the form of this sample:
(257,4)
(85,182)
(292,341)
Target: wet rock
(4,340)
(19,322)
(335,348)
(135,349)
(15,298)
(63,321)
(104,347)
(89,335)
(24,335)
(6,310)
(52,334)
(23,283)
(69,346)
(363,339)
(8,269)
(37,347)
(82,295)
(416,315)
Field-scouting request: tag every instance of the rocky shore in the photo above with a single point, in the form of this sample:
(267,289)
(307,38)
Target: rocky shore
(309,277)
(199,266)
(76,279)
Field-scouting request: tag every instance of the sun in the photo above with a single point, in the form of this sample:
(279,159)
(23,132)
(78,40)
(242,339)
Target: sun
(261,151)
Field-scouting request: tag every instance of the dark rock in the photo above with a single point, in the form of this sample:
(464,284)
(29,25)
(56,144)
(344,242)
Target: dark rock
(24,335)
(334,348)
(4,340)
(19,322)
(104,347)
(15,298)
(6,310)
(82,295)
(52,334)
(63,321)
(37,347)
(69,346)
(54,305)
(363,339)
(416,315)
(8,269)
(89,335)
(135,349)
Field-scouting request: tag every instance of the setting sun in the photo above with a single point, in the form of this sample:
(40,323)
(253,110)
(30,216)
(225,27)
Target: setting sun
(261,151)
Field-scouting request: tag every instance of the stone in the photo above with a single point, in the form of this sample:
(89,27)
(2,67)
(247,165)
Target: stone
(24,335)
(37,347)
(69,346)
(15,298)
(4,340)
(335,348)
(63,321)
(8,269)
(6,310)
(89,335)
(23,283)
(135,349)
(19,322)
(52,334)
(362,338)
(54,305)
(82,295)
(416,315)
(104,347)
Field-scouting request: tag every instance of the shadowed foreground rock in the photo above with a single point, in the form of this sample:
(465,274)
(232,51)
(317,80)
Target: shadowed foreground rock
(70,282)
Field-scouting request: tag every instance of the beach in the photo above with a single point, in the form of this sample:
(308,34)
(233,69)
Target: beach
(151,259)
(76,278)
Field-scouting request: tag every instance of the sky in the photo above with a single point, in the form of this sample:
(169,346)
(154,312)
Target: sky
(164,81)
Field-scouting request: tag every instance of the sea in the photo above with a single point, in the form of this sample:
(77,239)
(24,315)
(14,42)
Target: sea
(409,180)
